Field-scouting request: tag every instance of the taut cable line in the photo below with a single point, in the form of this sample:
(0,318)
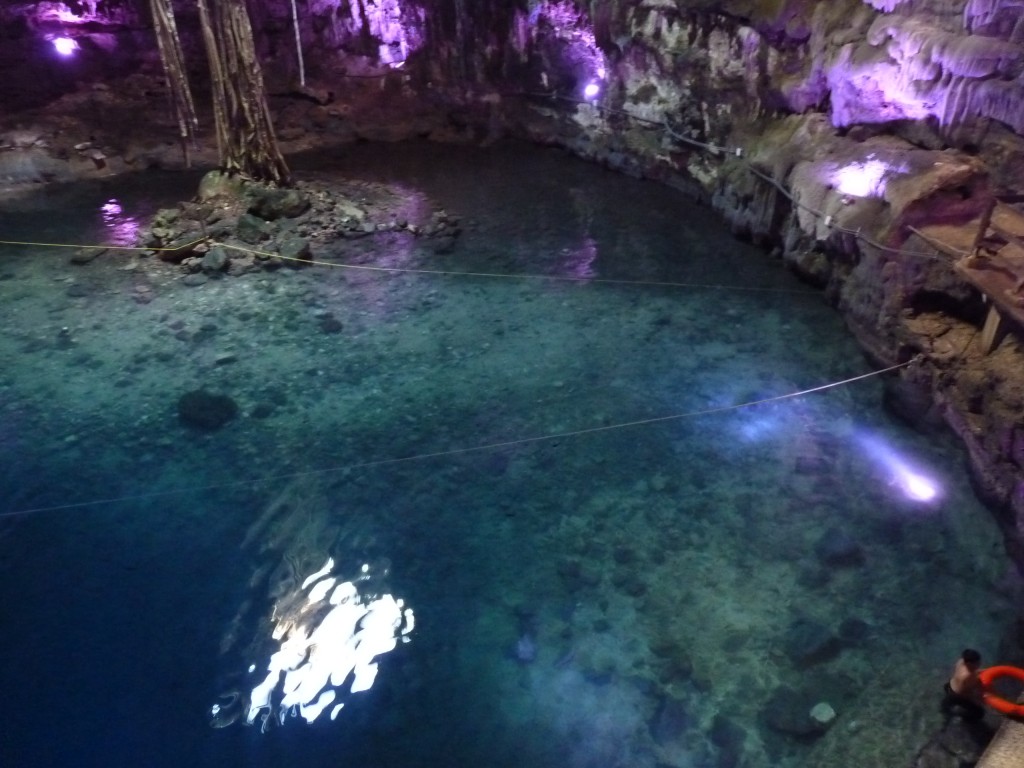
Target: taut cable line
(452,451)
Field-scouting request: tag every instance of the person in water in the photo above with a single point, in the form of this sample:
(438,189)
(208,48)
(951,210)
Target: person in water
(963,690)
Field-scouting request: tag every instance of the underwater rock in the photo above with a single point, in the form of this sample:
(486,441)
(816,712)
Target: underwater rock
(577,574)
(262,410)
(194,280)
(205,410)
(85,255)
(789,712)
(808,642)
(957,743)
(330,324)
(672,664)
(444,245)
(854,630)
(629,582)
(838,548)
(729,738)
(671,721)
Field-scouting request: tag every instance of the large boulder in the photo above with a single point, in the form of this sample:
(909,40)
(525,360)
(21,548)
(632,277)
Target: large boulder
(671,722)
(205,410)
(789,712)
(271,203)
(837,548)
(809,642)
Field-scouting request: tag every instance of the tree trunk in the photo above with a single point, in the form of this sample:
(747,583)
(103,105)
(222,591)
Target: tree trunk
(245,134)
(174,67)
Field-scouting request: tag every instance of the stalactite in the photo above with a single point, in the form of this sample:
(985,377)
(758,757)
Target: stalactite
(979,13)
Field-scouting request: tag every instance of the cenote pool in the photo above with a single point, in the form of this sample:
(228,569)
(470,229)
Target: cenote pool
(496,518)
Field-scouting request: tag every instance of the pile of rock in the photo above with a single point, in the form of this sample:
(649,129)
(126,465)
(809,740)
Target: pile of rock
(236,225)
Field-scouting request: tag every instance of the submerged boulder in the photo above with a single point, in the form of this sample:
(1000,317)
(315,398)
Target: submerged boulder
(205,410)
(809,642)
(789,712)
(837,548)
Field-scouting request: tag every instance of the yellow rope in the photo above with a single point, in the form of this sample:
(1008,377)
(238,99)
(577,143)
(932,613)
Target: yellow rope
(103,247)
(438,272)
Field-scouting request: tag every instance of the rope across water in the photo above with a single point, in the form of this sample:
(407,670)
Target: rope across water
(457,451)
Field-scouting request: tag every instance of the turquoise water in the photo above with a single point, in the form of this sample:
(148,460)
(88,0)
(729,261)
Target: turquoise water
(592,584)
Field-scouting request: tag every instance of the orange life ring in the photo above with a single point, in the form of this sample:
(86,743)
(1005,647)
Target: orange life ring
(998,703)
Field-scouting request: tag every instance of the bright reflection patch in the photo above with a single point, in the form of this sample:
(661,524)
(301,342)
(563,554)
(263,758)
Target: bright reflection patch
(861,179)
(330,634)
(121,229)
(912,483)
(65,45)
(866,179)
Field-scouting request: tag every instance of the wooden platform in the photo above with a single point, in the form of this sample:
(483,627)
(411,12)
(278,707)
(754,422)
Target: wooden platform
(1006,750)
(989,254)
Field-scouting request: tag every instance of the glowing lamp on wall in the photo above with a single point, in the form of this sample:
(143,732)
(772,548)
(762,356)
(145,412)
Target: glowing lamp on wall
(65,46)
(865,179)
(860,179)
(591,89)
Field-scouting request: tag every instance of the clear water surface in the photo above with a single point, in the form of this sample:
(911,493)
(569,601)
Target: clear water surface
(645,592)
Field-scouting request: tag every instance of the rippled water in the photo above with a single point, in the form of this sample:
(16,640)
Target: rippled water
(607,564)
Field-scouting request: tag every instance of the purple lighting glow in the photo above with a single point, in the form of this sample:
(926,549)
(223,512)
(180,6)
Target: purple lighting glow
(913,484)
(561,37)
(65,45)
(121,229)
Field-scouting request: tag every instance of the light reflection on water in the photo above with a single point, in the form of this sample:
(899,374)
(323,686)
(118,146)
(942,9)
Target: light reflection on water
(331,636)
(121,229)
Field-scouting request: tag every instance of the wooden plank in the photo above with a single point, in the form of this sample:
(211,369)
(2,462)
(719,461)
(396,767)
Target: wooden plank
(994,330)
(1007,235)
(983,225)
(1008,219)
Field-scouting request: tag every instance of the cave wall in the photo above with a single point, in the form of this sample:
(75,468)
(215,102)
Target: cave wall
(822,129)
